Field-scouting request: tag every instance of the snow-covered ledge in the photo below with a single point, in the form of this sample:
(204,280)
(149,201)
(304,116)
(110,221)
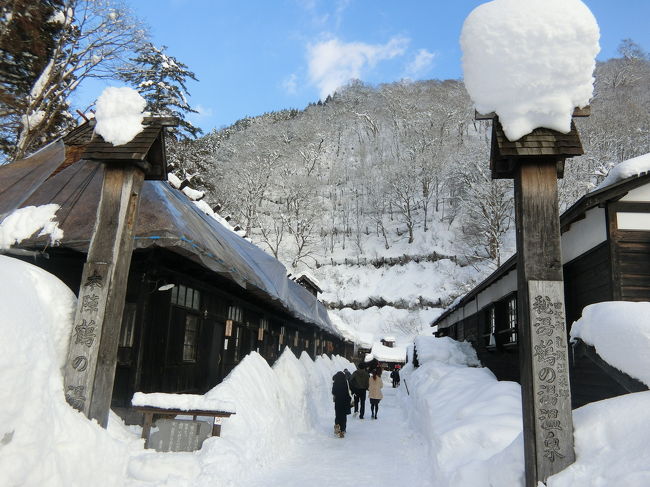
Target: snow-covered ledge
(620,333)
(183,402)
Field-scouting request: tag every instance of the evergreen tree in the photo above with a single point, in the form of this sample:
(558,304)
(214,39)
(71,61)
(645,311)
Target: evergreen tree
(161,80)
(28,36)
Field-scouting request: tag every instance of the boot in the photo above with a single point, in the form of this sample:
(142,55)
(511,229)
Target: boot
(337,430)
(341,434)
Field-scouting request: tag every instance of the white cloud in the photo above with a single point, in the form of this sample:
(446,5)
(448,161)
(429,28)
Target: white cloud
(203,114)
(203,111)
(290,84)
(421,63)
(333,63)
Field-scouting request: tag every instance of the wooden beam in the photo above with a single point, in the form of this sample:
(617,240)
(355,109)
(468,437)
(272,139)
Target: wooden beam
(577,112)
(92,355)
(546,395)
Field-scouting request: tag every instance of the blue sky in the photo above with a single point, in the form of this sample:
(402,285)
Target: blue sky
(255,56)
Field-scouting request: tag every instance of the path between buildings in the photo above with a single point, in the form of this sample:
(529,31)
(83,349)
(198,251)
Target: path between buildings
(382,453)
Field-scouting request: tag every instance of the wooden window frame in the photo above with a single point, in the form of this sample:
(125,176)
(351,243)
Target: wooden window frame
(490,327)
(188,301)
(508,335)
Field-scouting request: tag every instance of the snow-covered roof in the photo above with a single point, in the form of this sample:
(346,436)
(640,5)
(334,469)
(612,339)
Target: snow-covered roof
(626,169)
(306,276)
(166,218)
(388,354)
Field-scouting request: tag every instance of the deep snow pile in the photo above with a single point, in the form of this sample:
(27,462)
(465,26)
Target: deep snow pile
(273,406)
(467,414)
(620,333)
(530,61)
(43,441)
(473,423)
(119,114)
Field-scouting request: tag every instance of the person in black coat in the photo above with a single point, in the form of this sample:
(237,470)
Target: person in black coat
(342,399)
(395,376)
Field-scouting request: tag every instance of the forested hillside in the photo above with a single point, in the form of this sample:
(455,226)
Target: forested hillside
(391,184)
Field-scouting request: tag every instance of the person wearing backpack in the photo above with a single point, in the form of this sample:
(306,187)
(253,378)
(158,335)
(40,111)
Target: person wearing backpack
(359,386)
(342,400)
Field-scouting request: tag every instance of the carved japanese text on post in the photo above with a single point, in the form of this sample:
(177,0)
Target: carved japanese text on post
(552,402)
(84,342)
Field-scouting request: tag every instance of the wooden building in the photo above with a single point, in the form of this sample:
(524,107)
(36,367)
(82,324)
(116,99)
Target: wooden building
(605,256)
(199,296)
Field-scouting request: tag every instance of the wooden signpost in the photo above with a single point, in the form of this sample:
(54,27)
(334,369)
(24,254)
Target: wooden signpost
(534,162)
(92,354)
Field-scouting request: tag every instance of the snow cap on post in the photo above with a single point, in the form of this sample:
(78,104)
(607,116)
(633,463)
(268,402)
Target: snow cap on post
(530,61)
(119,114)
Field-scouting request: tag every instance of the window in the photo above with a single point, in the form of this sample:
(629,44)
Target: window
(127,332)
(512,320)
(190,340)
(489,338)
(186,297)
(186,324)
(235,313)
(236,344)
(264,327)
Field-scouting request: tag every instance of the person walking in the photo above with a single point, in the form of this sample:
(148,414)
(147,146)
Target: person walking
(342,399)
(374,391)
(359,386)
(395,376)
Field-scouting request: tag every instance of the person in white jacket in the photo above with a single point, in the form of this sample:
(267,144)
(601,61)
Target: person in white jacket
(374,391)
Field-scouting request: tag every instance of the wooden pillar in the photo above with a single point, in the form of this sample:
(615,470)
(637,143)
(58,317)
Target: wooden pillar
(92,355)
(546,397)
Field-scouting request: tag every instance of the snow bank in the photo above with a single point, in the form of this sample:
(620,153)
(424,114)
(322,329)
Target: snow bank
(620,333)
(626,169)
(25,222)
(469,417)
(611,443)
(530,61)
(119,114)
(446,350)
(273,406)
(43,441)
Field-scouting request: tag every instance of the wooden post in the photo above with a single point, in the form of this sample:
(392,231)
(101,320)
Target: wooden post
(546,396)
(92,355)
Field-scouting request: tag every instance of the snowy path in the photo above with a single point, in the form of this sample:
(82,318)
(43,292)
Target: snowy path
(382,452)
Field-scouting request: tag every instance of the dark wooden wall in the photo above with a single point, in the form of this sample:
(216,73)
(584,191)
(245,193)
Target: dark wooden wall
(587,280)
(630,256)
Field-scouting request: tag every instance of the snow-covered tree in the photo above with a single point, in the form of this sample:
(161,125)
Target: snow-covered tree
(161,80)
(28,32)
(91,36)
